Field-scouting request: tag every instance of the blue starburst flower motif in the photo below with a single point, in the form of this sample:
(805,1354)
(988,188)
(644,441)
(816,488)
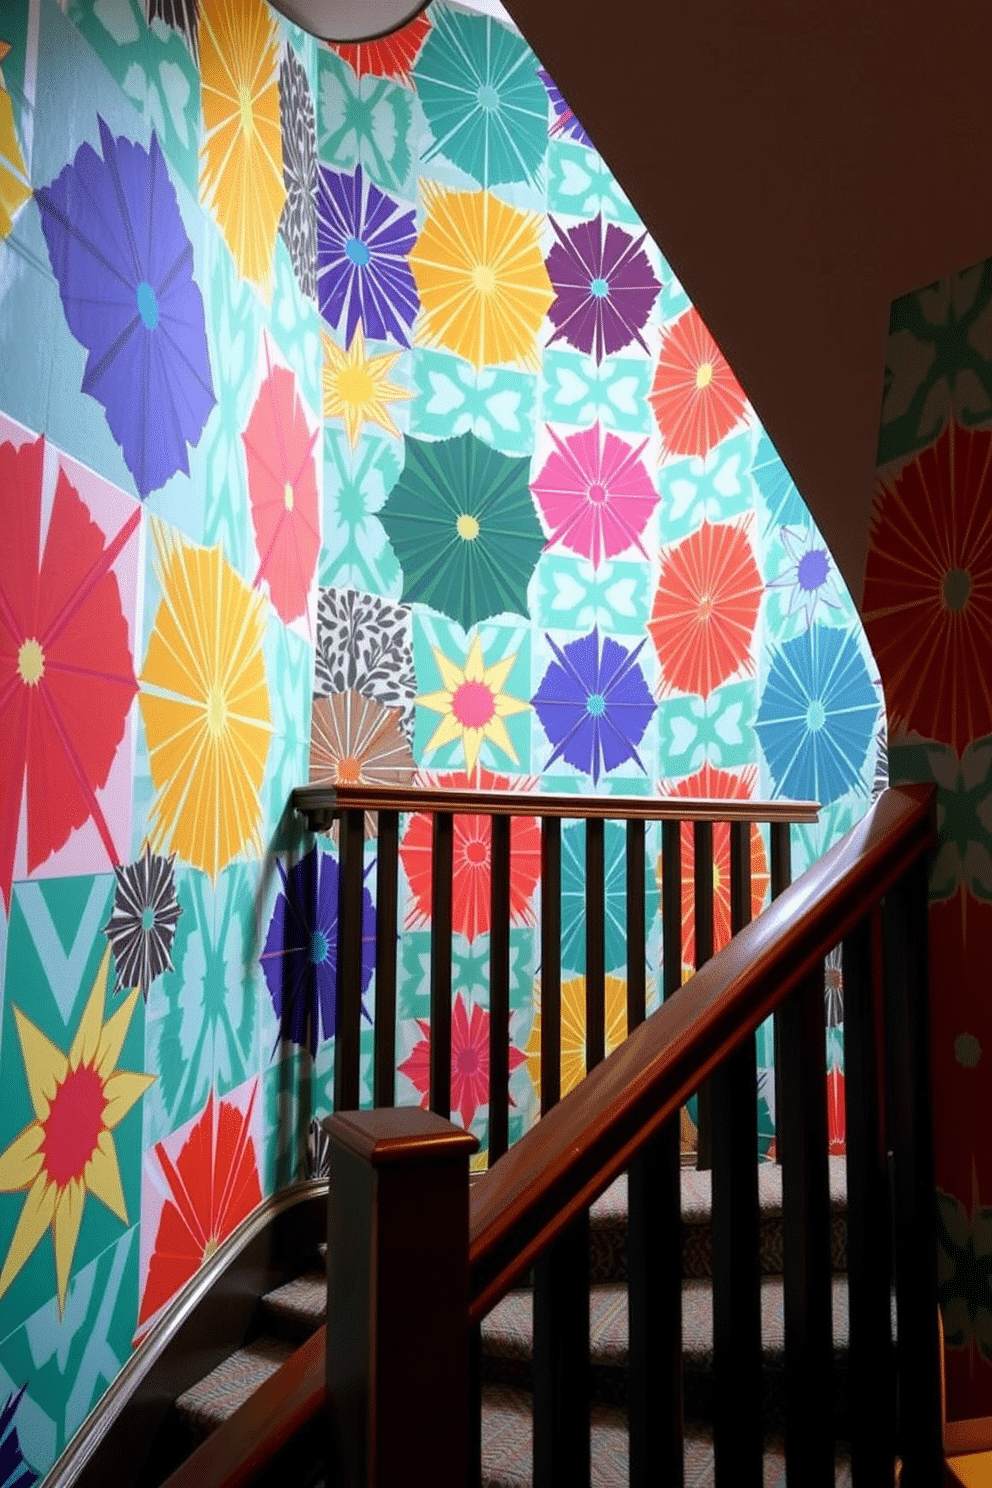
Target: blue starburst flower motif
(364,239)
(566,125)
(300,956)
(124,266)
(817,716)
(14,1471)
(594,704)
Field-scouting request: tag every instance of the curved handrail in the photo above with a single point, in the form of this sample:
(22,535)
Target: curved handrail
(562,1164)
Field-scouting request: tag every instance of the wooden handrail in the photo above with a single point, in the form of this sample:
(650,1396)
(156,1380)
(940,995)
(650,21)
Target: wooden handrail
(322,804)
(562,1164)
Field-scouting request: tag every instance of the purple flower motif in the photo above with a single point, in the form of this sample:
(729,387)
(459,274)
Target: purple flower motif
(808,576)
(300,957)
(566,125)
(124,266)
(363,244)
(14,1471)
(605,288)
(594,705)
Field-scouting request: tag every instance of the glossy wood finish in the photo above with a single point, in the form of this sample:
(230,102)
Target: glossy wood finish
(386,946)
(910,1135)
(441,908)
(871,1362)
(654,1312)
(499,989)
(561,1360)
(702,900)
(321,804)
(595,944)
(671,907)
(550,962)
(570,1157)
(736,1271)
(636,928)
(801,1108)
(397,1415)
(351,849)
(780,864)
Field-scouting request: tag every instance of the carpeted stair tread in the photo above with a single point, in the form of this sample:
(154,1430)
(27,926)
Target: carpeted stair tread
(218,1395)
(507,1436)
(608,1223)
(298,1307)
(507,1334)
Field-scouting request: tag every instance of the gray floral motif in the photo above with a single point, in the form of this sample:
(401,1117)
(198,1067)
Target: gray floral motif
(142,924)
(298,224)
(318,1151)
(833,988)
(964,1273)
(363,643)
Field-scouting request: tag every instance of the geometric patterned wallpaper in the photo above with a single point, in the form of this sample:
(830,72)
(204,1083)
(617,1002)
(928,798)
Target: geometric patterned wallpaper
(350,424)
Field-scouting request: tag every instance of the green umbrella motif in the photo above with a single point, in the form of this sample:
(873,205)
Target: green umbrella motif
(462,523)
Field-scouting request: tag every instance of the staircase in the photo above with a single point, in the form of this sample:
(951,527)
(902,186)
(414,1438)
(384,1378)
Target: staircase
(292,1313)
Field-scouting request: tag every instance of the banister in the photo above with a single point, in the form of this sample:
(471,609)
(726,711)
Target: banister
(562,1164)
(320,804)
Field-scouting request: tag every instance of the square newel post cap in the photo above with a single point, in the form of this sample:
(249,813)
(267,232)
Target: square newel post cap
(400,1134)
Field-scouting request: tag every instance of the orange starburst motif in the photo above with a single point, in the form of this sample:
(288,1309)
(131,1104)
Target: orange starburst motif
(695,396)
(706,608)
(68,1151)
(388,57)
(928,589)
(709,784)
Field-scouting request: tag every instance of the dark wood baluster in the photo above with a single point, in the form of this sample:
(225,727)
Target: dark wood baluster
(441,862)
(386,902)
(871,1388)
(910,1131)
(737,1435)
(781,875)
(595,944)
(347,1022)
(550,962)
(499,989)
(801,1107)
(702,875)
(654,1249)
(636,927)
(561,1361)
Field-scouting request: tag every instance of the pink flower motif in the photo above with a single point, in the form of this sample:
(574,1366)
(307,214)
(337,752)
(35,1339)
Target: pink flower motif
(469,1060)
(595,495)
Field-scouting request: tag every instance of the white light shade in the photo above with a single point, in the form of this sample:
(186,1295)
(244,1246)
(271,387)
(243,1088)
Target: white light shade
(349,20)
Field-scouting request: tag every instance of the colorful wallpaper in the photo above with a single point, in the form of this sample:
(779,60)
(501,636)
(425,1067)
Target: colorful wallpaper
(350,426)
(926,609)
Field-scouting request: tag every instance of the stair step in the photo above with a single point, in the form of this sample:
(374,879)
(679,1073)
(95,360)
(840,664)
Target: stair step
(608,1223)
(507,1435)
(508,1331)
(205,1405)
(298,1307)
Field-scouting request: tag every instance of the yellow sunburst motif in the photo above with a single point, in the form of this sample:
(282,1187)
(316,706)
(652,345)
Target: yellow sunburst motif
(205,704)
(241,179)
(15,188)
(357,387)
(481,277)
(573,1029)
(473,704)
(68,1151)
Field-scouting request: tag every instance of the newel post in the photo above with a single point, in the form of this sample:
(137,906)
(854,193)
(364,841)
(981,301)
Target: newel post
(397,1299)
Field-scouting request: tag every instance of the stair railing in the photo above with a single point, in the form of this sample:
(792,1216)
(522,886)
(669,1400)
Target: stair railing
(400,1326)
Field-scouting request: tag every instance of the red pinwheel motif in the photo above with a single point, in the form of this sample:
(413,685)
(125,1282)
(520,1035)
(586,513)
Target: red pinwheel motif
(928,589)
(469,1060)
(282,487)
(709,784)
(595,494)
(66,671)
(706,608)
(213,1185)
(388,56)
(836,1111)
(470,871)
(695,396)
